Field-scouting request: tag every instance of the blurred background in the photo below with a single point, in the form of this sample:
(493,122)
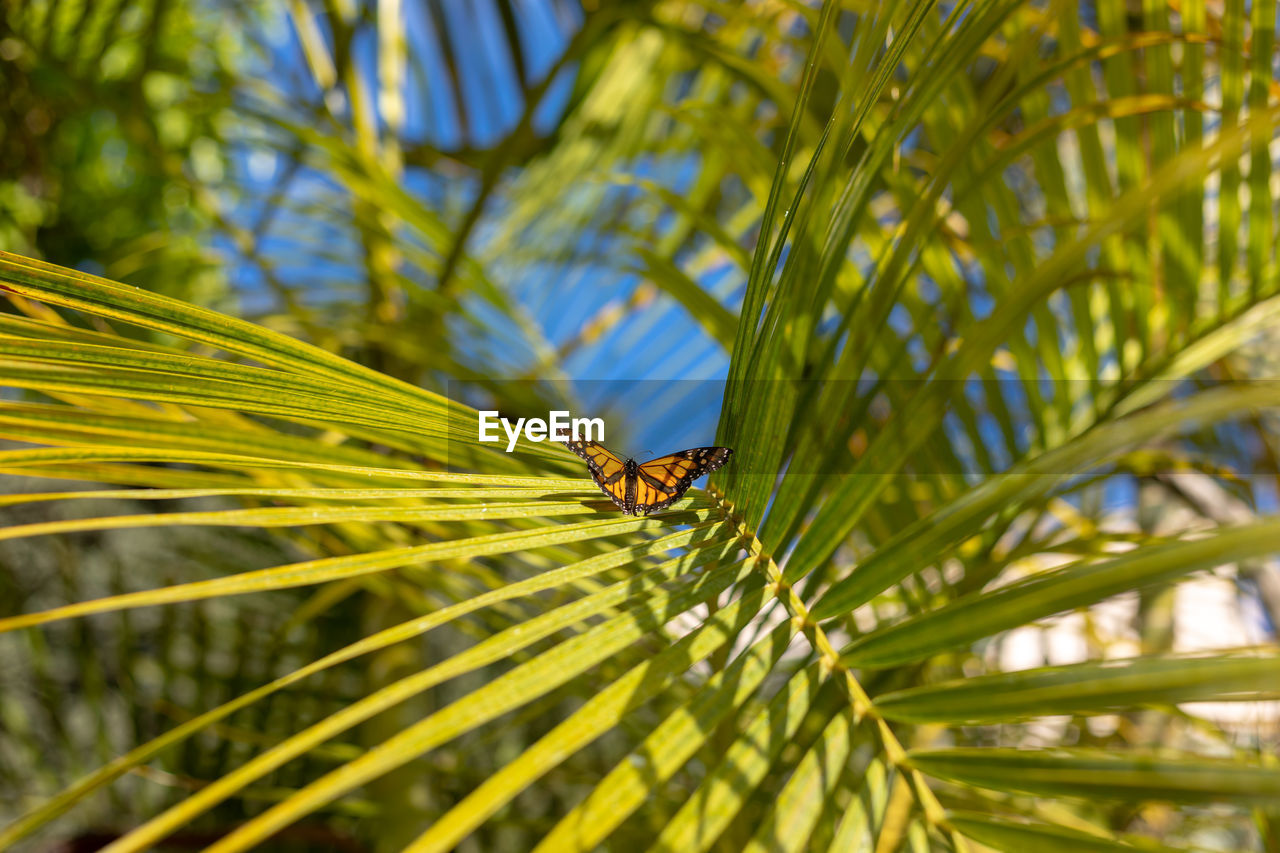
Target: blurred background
(476,192)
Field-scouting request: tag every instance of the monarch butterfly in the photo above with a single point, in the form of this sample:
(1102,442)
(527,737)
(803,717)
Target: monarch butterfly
(642,488)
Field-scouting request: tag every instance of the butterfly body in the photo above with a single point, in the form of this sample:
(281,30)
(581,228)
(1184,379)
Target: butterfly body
(641,488)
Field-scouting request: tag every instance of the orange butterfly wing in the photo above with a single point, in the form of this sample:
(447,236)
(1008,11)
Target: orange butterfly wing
(606,469)
(661,482)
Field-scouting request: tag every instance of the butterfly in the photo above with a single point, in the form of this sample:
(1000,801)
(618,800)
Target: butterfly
(642,488)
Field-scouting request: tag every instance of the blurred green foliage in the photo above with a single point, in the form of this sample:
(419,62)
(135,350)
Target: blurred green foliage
(114,131)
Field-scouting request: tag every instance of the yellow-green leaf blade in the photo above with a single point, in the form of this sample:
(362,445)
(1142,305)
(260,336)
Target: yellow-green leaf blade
(983,614)
(1137,777)
(1096,687)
